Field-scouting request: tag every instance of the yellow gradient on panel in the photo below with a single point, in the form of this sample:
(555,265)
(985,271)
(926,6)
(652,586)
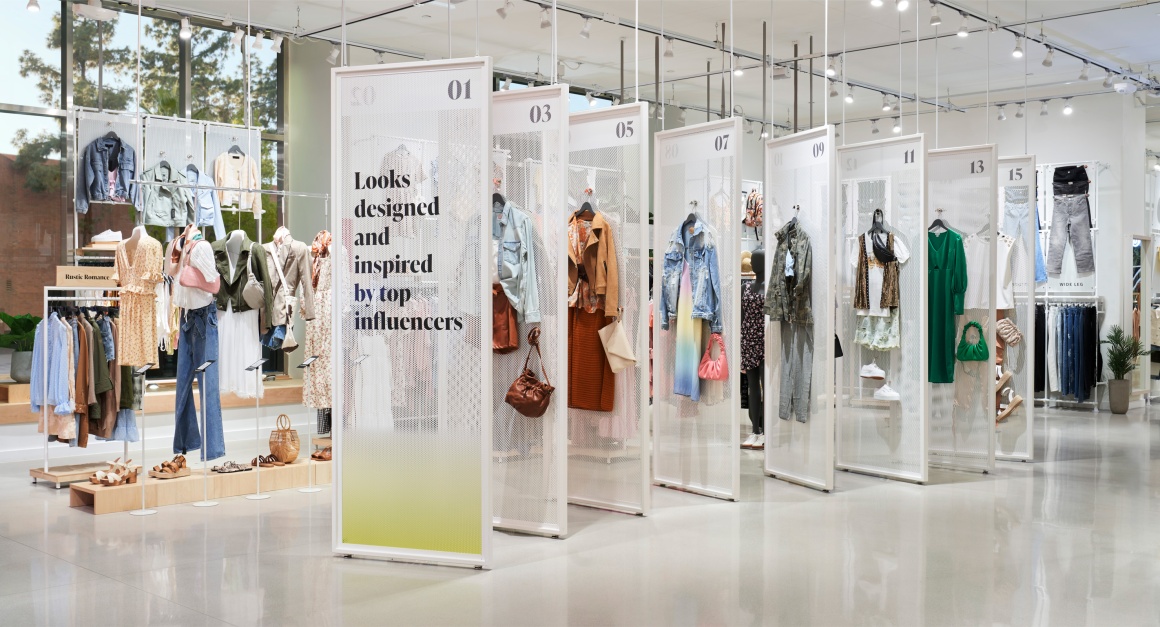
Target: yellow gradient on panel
(413,491)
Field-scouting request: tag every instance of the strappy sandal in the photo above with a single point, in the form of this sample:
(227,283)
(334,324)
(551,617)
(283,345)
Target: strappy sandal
(327,454)
(266,461)
(230,467)
(1013,401)
(171,469)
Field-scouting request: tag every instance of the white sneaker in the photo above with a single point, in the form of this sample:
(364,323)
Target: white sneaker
(759,445)
(886,393)
(872,371)
(749,441)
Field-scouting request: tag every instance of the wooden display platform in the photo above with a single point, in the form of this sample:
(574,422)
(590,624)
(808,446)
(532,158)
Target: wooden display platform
(161,492)
(60,475)
(14,392)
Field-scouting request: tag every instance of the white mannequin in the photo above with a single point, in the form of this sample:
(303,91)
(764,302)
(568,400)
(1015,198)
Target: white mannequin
(131,243)
(234,248)
(280,234)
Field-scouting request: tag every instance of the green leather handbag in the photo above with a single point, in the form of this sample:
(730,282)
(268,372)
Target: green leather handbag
(972,352)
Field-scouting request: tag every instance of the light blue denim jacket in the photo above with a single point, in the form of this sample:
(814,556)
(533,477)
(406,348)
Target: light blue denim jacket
(206,210)
(51,345)
(693,244)
(516,260)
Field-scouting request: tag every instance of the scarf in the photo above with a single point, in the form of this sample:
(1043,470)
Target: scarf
(318,249)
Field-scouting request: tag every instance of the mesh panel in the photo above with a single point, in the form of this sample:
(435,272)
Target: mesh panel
(529,489)
(219,139)
(883,437)
(696,441)
(412,418)
(91,125)
(180,142)
(799,169)
(1015,436)
(608,460)
(962,183)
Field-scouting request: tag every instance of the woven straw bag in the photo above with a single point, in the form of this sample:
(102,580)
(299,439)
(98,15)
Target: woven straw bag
(284,443)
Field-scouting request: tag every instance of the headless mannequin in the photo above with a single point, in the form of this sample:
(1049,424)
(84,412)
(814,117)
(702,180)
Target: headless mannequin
(755,375)
(131,243)
(234,249)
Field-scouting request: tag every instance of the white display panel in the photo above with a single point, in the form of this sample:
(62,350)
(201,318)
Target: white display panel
(412,415)
(962,190)
(876,436)
(696,441)
(800,173)
(529,455)
(180,142)
(608,453)
(1015,436)
(91,125)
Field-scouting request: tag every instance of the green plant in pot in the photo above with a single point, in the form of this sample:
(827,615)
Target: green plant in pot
(1123,356)
(20,337)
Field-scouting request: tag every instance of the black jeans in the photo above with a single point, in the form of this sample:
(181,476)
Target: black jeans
(1069,179)
(756,407)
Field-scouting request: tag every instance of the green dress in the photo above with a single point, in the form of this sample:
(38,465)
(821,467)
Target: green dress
(946,286)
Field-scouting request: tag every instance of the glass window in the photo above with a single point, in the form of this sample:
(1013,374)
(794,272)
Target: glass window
(105,64)
(33,40)
(219,80)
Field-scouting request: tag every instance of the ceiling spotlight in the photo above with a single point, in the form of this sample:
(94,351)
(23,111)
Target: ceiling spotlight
(681,115)
(737,71)
(1021,110)
(545,18)
(1048,61)
(1067,110)
(935,20)
(897,104)
(849,94)
(560,67)
(833,89)
(831,68)
(258,39)
(379,57)
(1083,74)
(1018,51)
(897,126)
(875,3)
(1109,79)
(332,58)
(228,22)
(1043,108)
(236,38)
(886,106)
(652,109)
(186,30)
(1156,166)
(668,48)
(507,6)
(902,5)
(507,84)
(33,6)
(591,99)
(764,132)
(748,127)
(1002,114)
(963,30)
(874,127)
(276,42)
(587,30)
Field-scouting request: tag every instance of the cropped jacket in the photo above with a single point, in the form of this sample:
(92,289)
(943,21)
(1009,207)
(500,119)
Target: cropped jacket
(692,243)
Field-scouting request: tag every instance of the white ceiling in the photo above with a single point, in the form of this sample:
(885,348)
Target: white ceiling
(973,70)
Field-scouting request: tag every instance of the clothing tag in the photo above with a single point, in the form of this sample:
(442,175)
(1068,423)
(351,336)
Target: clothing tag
(789,264)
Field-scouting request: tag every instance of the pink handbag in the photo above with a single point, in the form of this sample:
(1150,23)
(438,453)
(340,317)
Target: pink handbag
(714,369)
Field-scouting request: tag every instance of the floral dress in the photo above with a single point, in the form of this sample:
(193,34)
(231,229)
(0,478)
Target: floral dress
(138,275)
(316,385)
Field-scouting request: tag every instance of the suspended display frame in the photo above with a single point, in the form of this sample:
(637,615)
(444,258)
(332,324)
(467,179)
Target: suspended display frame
(878,433)
(963,191)
(529,455)
(696,433)
(799,441)
(1015,435)
(608,451)
(412,375)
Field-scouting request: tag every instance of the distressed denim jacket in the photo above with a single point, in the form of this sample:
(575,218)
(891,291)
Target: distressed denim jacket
(787,299)
(93,173)
(516,261)
(692,243)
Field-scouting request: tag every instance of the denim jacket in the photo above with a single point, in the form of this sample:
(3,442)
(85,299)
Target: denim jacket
(693,244)
(93,173)
(166,205)
(784,302)
(516,261)
(206,210)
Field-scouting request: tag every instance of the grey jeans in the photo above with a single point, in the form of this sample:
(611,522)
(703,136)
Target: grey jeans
(797,370)
(1071,221)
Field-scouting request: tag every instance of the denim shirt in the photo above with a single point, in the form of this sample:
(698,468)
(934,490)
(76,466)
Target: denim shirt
(693,244)
(206,210)
(93,173)
(51,346)
(516,260)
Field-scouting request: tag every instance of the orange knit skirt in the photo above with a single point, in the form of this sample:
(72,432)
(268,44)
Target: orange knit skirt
(591,384)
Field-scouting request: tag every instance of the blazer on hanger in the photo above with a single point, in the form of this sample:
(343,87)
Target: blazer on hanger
(293,257)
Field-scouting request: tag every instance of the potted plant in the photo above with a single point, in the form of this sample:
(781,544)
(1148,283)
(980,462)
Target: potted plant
(1124,352)
(20,337)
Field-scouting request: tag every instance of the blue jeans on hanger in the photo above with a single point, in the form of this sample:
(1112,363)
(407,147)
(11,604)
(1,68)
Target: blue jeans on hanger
(197,344)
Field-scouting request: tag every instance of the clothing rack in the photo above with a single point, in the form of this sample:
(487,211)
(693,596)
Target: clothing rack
(1079,300)
(49,299)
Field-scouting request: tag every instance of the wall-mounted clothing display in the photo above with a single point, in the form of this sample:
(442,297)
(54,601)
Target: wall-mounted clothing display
(1072,350)
(316,385)
(1071,220)
(946,288)
(207,211)
(105,171)
(513,231)
(240,171)
(593,290)
(138,269)
(165,203)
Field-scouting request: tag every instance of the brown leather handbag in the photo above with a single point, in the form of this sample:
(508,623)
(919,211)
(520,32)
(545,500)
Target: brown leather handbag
(527,394)
(505,329)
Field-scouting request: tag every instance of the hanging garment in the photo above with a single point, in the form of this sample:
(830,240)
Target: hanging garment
(946,285)
(396,164)
(199,344)
(1005,280)
(373,385)
(293,258)
(138,273)
(1071,221)
(207,211)
(49,351)
(593,277)
(591,383)
(687,353)
(164,202)
(512,229)
(879,333)
(693,245)
(105,171)
(232,169)
(797,367)
(876,290)
(788,295)
(316,391)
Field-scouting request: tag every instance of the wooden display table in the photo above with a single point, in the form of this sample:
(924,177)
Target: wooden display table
(60,475)
(98,499)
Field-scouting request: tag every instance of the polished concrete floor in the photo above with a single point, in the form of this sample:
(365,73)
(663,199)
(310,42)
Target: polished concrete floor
(1073,539)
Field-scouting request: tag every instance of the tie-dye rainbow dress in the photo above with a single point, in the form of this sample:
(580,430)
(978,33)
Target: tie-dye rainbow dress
(688,352)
